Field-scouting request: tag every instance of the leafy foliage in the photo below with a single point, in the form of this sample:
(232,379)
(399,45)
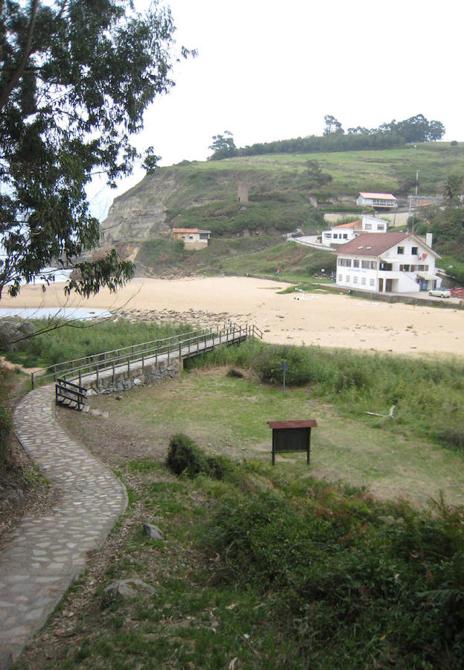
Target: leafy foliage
(394,134)
(185,457)
(75,79)
(354,583)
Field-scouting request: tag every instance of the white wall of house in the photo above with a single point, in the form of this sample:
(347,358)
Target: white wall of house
(398,270)
(371,224)
(337,236)
(361,201)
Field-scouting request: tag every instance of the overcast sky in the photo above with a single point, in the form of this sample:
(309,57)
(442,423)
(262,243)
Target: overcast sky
(269,69)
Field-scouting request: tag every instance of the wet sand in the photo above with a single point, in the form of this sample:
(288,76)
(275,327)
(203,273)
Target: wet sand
(294,318)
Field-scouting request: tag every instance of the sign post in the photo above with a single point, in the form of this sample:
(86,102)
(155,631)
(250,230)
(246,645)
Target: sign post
(284,368)
(291,436)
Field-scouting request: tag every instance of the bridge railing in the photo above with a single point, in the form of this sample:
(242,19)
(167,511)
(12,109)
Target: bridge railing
(181,345)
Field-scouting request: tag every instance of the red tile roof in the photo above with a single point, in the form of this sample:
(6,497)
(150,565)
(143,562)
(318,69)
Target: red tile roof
(372,244)
(378,196)
(353,225)
(185,230)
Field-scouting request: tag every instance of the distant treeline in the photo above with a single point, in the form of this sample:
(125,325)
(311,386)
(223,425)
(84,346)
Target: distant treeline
(335,138)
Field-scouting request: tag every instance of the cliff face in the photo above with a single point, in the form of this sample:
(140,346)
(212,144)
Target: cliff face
(140,214)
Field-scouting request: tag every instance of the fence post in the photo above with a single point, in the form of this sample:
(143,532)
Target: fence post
(97,376)
(80,378)
(128,366)
(32,380)
(114,373)
(143,362)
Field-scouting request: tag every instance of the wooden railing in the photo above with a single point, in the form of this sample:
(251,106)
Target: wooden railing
(146,353)
(69,394)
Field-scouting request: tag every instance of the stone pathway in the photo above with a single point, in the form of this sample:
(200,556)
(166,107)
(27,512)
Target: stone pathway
(46,554)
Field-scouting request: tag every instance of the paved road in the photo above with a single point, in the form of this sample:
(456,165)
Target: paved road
(47,553)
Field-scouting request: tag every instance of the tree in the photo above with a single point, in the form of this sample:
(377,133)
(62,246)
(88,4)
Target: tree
(315,178)
(75,79)
(332,126)
(223,146)
(452,189)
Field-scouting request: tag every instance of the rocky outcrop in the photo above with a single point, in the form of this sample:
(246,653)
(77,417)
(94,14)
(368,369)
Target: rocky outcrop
(140,214)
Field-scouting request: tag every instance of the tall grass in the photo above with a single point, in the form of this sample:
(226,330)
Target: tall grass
(429,396)
(355,583)
(83,339)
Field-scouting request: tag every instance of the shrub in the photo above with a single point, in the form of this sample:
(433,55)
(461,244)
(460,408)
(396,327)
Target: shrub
(303,367)
(232,372)
(185,457)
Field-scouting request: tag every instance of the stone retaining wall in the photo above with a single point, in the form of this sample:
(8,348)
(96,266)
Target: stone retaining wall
(124,381)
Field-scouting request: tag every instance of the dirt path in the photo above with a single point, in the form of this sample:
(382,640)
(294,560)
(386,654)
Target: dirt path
(314,318)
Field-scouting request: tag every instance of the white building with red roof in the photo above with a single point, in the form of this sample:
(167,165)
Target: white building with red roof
(345,232)
(377,200)
(193,238)
(387,263)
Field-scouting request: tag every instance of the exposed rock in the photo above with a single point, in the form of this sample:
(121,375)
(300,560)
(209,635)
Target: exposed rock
(153,531)
(121,589)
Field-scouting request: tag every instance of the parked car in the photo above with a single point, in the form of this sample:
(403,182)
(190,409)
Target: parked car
(440,293)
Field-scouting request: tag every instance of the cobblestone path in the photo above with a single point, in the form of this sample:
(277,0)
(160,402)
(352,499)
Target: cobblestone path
(46,554)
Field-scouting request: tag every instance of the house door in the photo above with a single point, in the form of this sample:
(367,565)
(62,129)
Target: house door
(389,285)
(380,285)
(423,285)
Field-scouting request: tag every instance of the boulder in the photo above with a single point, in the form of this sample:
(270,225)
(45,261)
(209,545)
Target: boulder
(153,531)
(12,329)
(122,589)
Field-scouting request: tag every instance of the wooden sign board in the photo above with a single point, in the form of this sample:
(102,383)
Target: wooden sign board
(290,436)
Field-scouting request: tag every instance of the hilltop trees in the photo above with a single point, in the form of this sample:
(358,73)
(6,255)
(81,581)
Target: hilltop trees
(75,79)
(387,135)
(223,146)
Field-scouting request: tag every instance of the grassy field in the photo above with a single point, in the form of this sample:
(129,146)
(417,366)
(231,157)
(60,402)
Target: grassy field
(352,171)
(262,567)
(229,416)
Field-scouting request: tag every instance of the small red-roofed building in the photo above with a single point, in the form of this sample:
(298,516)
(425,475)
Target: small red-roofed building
(193,238)
(387,263)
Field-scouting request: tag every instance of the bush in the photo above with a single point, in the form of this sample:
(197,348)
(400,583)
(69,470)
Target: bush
(302,366)
(185,457)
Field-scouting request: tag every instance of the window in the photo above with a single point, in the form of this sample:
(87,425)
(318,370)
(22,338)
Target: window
(345,236)
(414,251)
(347,279)
(423,268)
(344,262)
(328,235)
(355,263)
(371,282)
(363,281)
(405,268)
(369,265)
(380,226)
(400,250)
(368,226)
(340,277)
(355,280)
(335,236)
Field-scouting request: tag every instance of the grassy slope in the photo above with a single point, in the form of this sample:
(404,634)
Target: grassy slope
(268,568)
(205,196)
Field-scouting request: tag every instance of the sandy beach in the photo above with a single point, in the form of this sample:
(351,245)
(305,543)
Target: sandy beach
(294,318)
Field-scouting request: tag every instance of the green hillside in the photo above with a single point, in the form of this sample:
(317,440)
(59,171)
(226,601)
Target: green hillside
(204,195)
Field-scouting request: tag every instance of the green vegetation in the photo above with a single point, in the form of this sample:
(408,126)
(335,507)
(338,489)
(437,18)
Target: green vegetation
(396,133)
(67,342)
(5,416)
(262,256)
(264,568)
(428,395)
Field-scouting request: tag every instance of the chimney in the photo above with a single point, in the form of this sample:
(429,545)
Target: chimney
(428,239)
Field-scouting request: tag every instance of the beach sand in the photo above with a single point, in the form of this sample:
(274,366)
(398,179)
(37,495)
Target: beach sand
(328,320)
